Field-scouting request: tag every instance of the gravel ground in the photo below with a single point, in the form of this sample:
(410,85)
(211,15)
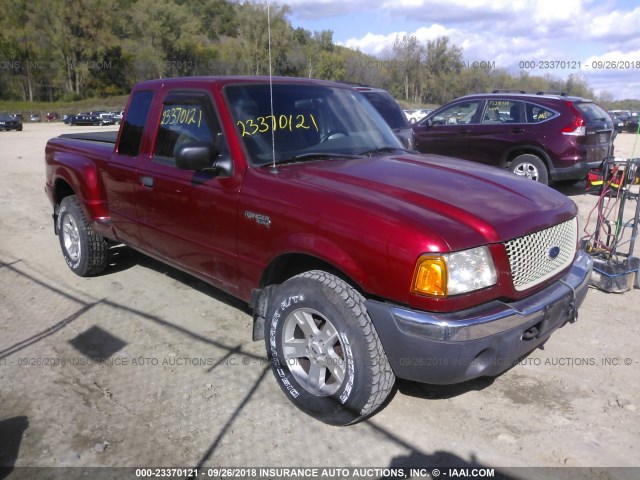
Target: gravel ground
(183,385)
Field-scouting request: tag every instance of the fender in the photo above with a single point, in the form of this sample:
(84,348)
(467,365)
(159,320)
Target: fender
(526,149)
(303,250)
(83,177)
(327,251)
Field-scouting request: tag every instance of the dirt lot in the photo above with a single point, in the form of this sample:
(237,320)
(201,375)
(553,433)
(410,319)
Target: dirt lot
(183,385)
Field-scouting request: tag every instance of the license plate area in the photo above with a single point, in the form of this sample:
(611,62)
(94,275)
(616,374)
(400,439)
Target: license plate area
(554,316)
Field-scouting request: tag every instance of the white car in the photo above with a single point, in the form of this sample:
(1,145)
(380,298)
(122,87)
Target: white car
(408,113)
(418,115)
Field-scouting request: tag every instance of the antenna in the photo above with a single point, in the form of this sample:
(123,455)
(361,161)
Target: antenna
(273,134)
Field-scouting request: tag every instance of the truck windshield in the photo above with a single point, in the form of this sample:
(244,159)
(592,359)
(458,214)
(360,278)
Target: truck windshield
(307,121)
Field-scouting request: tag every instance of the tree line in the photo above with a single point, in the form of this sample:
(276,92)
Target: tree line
(65,50)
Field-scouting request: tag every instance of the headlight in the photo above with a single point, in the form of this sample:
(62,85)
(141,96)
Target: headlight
(454,273)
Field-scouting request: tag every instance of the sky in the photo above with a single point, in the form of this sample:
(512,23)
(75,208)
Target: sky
(597,39)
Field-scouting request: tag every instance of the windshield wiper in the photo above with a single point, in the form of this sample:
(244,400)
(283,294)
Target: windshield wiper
(315,156)
(382,150)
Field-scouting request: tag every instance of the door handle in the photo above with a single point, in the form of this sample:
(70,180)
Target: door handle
(146,181)
(518,130)
(464,131)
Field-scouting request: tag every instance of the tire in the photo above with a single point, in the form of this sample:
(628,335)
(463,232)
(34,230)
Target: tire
(333,367)
(530,166)
(84,250)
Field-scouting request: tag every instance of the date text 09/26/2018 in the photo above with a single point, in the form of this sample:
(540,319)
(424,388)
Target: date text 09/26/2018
(579,65)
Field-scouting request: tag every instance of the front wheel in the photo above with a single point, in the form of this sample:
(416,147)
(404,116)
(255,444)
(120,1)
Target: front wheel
(530,166)
(324,351)
(84,250)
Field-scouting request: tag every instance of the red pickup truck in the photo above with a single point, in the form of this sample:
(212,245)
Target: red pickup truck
(362,262)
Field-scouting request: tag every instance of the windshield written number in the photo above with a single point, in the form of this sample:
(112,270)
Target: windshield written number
(283,122)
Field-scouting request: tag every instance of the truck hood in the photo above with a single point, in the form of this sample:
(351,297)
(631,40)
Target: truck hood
(467,204)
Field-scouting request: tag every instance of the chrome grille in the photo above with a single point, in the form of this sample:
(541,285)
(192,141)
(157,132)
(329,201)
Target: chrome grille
(530,256)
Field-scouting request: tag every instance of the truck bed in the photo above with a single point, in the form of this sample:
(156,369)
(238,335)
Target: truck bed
(102,137)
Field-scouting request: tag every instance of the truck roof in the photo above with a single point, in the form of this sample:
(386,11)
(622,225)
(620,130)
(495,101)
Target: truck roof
(232,79)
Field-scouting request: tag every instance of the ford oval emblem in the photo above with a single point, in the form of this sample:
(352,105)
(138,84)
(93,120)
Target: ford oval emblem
(553,252)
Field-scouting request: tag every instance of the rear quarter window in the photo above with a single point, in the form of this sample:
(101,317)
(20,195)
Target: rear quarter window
(134,122)
(537,114)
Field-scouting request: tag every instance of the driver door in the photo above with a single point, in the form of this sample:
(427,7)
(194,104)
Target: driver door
(447,131)
(189,217)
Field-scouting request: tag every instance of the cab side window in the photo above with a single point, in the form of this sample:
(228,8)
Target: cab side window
(503,111)
(186,119)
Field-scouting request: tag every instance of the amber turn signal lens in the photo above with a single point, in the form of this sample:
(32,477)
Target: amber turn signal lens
(430,277)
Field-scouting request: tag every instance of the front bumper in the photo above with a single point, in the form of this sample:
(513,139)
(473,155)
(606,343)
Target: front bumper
(446,348)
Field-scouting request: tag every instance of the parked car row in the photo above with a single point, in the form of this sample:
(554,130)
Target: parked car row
(627,121)
(14,121)
(93,118)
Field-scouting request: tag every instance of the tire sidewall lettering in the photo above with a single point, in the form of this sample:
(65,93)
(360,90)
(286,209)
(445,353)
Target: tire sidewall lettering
(347,384)
(282,372)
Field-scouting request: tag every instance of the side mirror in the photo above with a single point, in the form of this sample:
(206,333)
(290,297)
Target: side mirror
(203,156)
(195,156)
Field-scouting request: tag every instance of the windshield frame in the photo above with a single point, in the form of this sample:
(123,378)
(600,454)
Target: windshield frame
(326,104)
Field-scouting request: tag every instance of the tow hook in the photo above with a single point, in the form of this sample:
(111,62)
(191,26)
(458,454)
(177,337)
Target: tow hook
(572,313)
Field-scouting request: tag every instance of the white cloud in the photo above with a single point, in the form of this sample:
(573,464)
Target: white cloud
(614,25)
(616,72)
(505,32)
(373,44)
(377,44)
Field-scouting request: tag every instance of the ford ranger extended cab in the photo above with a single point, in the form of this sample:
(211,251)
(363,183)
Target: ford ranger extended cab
(361,261)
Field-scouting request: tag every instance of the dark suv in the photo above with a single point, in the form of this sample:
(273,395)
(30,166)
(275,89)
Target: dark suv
(542,136)
(388,108)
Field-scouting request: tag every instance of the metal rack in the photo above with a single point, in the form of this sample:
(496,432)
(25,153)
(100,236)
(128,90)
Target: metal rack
(616,268)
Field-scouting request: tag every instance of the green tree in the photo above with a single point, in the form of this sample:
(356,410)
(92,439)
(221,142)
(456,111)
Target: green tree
(253,35)
(441,65)
(18,46)
(331,66)
(407,55)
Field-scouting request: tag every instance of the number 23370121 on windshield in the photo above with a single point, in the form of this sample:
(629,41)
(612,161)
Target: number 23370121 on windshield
(274,123)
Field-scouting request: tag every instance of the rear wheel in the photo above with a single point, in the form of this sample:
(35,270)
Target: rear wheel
(84,250)
(324,350)
(530,166)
